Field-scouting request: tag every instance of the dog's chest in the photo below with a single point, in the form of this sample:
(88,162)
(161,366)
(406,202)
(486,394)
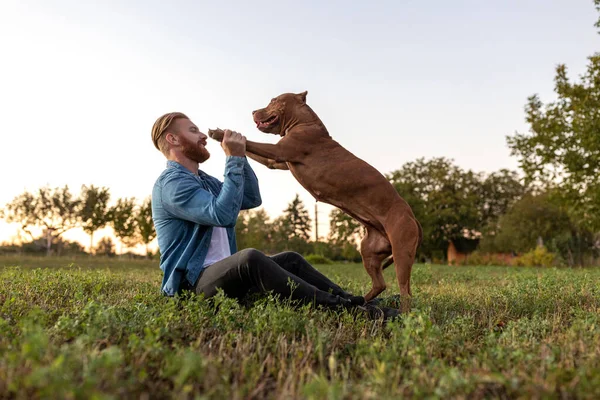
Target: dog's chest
(318,195)
(311,183)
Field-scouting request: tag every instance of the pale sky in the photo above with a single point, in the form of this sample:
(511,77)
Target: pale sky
(81,82)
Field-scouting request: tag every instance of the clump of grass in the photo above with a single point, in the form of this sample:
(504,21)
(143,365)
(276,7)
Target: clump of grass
(478,332)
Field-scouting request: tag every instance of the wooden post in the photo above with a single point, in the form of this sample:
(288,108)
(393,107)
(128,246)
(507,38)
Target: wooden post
(316,223)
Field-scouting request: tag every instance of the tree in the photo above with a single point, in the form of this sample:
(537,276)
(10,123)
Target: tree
(499,191)
(144,223)
(344,228)
(291,230)
(55,211)
(94,211)
(531,219)
(597,3)
(444,198)
(537,218)
(563,143)
(452,204)
(123,221)
(253,230)
(344,235)
(281,234)
(241,229)
(298,220)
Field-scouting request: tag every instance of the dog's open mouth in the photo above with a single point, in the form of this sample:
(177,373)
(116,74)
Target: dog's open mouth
(267,122)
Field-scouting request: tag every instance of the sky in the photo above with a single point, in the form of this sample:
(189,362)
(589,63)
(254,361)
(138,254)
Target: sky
(82,82)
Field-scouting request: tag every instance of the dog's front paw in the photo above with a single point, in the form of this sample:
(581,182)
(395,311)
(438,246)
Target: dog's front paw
(216,134)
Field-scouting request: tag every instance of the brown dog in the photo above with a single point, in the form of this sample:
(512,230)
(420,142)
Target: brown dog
(334,175)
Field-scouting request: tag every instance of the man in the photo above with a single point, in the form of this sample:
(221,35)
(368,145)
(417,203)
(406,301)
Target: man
(195,214)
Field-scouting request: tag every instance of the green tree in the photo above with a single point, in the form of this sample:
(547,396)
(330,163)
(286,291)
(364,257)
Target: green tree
(452,204)
(94,211)
(562,146)
(253,230)
(291,230)
(123,221)
(55,211)
(344,228)
(281,232)
(499,191)
(241,229)
(531,219)
(144,223)
(344,235)
(297,219)
(539,219)
(445,199)
(597,3)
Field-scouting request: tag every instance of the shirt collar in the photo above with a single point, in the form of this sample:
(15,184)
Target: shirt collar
(176,165)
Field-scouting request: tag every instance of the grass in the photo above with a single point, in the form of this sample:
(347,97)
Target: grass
(100,329)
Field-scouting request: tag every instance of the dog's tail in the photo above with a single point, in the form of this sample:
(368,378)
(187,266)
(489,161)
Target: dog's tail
(387,262)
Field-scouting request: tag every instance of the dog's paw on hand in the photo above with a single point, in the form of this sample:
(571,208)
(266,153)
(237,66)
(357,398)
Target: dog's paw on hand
(216,134)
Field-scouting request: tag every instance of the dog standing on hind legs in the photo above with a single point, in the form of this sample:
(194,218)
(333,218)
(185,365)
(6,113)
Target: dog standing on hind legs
(334,175)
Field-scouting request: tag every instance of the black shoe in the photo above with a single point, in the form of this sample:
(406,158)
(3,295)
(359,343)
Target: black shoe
(394,301)
(379,312)
(356,300)
(372,311)
(375,302)
(342,302)
(390,313)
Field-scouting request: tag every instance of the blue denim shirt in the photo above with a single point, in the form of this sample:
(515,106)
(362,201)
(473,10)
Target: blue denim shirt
(186,207)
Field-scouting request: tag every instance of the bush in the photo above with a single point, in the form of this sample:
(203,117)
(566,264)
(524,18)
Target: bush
(318,259)
(483,258)
(539,257)
(106,247)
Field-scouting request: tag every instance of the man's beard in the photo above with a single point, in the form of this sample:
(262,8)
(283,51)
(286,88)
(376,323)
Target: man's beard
(194,151)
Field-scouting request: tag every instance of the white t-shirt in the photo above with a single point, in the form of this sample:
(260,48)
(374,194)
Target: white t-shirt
(218,248)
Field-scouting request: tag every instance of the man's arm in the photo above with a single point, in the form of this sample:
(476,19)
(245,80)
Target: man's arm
(185,198)
(252,197)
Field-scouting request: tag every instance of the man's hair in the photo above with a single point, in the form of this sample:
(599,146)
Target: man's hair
(162,125)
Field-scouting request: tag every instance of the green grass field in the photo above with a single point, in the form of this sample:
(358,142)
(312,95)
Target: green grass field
(98,328)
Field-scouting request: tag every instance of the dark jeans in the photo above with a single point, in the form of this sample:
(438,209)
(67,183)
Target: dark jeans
(251,270)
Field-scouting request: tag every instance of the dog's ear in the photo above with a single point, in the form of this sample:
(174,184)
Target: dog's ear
(302,96)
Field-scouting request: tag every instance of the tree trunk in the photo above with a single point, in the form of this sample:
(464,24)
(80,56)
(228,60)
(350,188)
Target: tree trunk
(48,241)
(571,260)
(580,250)
(91,242)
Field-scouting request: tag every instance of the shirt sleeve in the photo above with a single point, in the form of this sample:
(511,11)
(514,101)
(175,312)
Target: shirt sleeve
(252,197)
(185,198)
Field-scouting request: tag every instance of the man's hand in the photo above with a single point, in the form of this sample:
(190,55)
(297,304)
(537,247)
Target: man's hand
(233,144)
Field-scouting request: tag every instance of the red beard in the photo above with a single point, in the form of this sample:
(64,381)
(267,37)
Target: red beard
(194,151)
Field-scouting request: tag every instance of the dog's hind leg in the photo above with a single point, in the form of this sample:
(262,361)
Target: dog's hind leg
(374,248)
